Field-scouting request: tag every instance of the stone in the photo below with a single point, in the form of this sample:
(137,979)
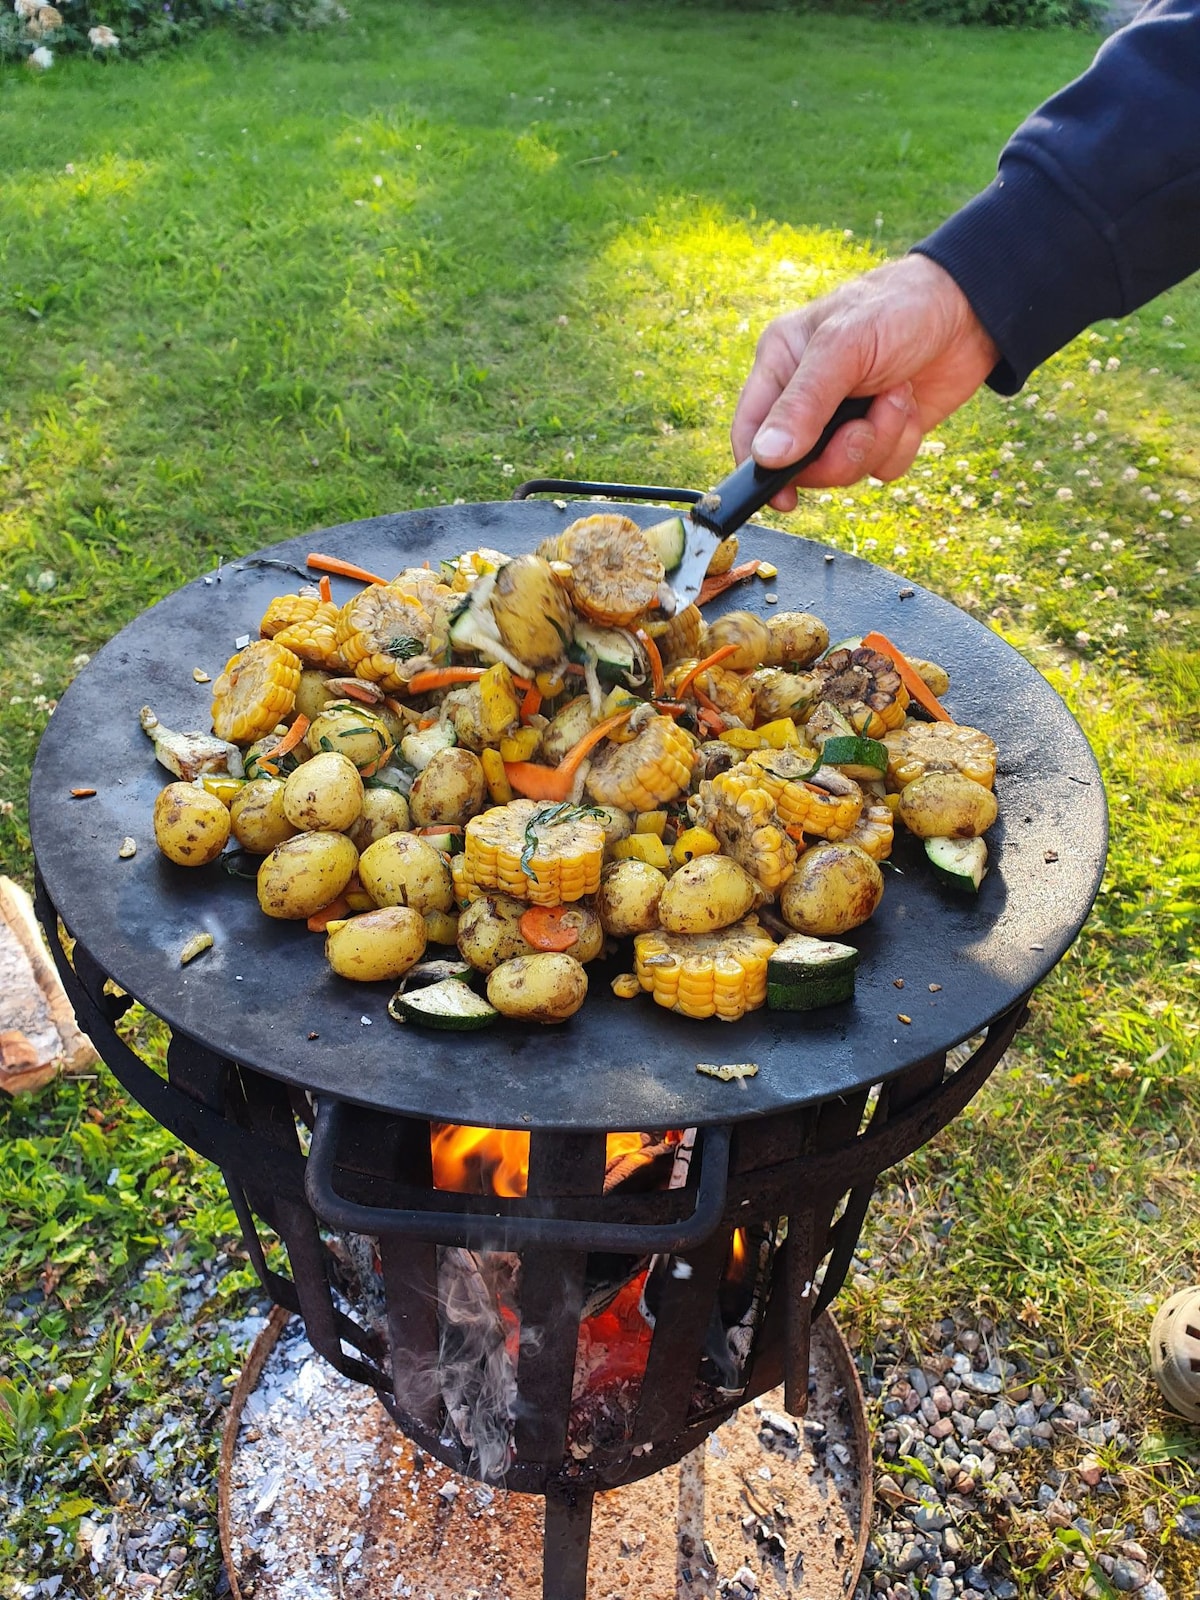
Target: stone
(1004,1589)
(930,1519)
(941,1589)
(940,1396)
(1127,1575)
(1026,1415)
(977,1578)
(941,1429)
(910,1557)
(983,1382)
(986,1419)
(1022,1438)
(1076,1414)
(998,1440)
(952,1542)
(968,1340)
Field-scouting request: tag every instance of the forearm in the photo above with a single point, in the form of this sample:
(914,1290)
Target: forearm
(1096,206)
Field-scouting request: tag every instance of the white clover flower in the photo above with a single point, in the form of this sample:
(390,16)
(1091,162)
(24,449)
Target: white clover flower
(27,8)
(1130,475)
(1101,416)
(1113,364)
(41,59)
(1118,630)
(1083,637)
(1161,616)
(102,38)
(1064,494)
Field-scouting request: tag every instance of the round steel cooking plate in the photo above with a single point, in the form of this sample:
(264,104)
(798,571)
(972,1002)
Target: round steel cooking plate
(264,995)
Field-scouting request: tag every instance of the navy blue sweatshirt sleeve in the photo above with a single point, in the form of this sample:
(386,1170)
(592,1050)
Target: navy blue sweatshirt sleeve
(1095,208)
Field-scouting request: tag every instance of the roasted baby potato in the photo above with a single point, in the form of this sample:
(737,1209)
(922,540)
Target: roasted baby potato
(629,895)
(450,790)
(324,795)
(377,944)
(834,888)
(305,873)
(402,870)
(708,893)
(947,805)
(797,637)
(384,811)
(538,988)
(190,825)
(489,931)
(354,731)
(749,633)
(258,818)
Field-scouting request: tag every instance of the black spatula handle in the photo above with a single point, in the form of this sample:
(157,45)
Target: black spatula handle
(748,487)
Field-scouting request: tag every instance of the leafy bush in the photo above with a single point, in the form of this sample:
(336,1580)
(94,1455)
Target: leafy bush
(1004,13)
(35,29)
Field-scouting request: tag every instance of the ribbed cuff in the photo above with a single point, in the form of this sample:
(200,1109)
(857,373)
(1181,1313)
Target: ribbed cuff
(1035,269)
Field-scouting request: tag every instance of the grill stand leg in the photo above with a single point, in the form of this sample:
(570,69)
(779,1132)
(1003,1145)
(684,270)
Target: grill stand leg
(565,1550)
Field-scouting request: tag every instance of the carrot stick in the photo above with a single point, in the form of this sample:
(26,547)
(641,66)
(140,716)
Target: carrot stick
(545,928)
(341,569)
(445,677)
(554,783)
(325,589)
(291,738)
(711,716)
(712,587)
(333,912)
(909,676)
(532,702)
(657,676)
(686,683)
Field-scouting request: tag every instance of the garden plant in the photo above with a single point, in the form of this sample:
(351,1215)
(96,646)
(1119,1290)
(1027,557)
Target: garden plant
(262,285)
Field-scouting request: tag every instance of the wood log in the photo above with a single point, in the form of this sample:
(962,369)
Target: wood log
(39,1036)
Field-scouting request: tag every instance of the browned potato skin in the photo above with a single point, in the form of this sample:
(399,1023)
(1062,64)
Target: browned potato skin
(708,893)
(258,818)
(749,633)
(538,988)
(190,825)
(797,637)
(947,805)
(401,869)
(629,896)
(384,811)
(449,791)
(324,795)
(312,696)
(488,932)
(835,887)
(305,873)
(377,944)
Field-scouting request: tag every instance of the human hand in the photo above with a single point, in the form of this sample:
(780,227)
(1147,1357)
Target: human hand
(904,333)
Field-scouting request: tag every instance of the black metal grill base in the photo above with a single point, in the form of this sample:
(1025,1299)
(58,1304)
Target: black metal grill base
(371,1172)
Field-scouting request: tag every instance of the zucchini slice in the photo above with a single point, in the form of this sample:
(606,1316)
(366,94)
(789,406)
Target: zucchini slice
(856,756)
(960,862)
(805,973)
(448,1004)
(668,540)
(614,651)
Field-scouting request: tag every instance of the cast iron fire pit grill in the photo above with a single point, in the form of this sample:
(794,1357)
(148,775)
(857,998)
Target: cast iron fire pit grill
(267,1042)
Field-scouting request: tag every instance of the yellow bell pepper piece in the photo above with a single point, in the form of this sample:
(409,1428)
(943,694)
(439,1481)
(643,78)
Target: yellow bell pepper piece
(646,847)
(692,843)
(499,701)
(226,789)
(651,822)
(778,735)
(494,774)
(520,746)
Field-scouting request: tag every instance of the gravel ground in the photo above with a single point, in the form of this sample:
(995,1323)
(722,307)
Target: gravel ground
(975,1460)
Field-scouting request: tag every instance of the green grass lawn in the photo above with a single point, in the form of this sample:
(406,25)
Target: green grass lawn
(249,290)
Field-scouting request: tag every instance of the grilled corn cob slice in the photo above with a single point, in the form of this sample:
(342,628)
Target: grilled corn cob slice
(828,807)
(646,771)
(547,854)
(286,609)
(679,636)
(706,974)
(256,690)
(379,629)
(741,813)
(614,575)
(465,888)
(729,691)
(314,638)
(873,832)
(864,686)
(921,747)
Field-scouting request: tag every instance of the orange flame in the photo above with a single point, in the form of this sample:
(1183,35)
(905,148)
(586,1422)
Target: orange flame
(496,1160)
(736,1270)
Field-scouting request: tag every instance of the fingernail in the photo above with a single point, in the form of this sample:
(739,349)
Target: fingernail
(858,442)
(902,398)
(774,441)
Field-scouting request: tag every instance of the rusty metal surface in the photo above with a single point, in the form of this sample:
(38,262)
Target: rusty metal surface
(264,995)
